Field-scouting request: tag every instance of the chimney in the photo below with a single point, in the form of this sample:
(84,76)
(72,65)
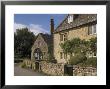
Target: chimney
(52,26)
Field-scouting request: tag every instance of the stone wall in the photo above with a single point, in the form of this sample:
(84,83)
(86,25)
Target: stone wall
(81,33)
(42,45)
(84,71)
(57,69)
(54,69)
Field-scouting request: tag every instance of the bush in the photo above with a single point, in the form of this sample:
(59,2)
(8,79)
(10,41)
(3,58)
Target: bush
(91,62)
(23,65)
(78,58)
(18,60)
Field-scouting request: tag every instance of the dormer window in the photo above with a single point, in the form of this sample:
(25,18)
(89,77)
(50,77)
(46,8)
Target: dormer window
(70,18)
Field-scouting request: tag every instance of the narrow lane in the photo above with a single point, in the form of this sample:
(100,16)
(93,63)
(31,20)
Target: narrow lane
(18,71)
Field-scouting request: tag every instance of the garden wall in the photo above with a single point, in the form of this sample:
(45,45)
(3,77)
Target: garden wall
(84,71)
(52,68)
(57,69)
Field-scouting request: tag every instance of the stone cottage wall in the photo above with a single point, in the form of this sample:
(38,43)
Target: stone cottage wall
(84,71)
(52,68)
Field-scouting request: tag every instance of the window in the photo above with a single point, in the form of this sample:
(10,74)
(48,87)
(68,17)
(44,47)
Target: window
(89,30)
(70,18)
(92,30)
(63,37)
(61,55)
(65,55)
(35,54)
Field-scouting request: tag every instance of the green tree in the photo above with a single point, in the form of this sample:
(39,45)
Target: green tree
(66,46)
(79,47)
(75,45)
(23,41)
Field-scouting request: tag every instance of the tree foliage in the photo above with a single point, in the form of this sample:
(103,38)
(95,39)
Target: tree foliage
(78,46)
(66,46)
(75,45)
(23,41)
(78,58)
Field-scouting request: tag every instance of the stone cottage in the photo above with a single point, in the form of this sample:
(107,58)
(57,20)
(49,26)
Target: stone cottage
(81,26)
(42,48)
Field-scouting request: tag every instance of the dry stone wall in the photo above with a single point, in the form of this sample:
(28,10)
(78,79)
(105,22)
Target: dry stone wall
(52,68)
(57,69)
(84,71)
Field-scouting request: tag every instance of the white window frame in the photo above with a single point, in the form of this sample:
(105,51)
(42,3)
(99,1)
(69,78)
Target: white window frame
(70,18)
(63,36)
(92,28)
(36,55)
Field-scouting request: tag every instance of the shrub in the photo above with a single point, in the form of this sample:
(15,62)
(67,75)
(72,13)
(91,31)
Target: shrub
(91,62)
(18,60)
(23,65)
(78,58)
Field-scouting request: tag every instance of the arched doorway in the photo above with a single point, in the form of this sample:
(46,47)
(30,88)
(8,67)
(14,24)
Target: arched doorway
(38,54)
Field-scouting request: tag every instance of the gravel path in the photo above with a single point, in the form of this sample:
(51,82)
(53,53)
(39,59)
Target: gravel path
(18,71)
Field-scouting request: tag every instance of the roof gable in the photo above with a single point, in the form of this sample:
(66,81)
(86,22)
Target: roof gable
(43,37)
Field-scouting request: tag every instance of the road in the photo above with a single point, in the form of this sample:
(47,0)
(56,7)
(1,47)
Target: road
(18,71)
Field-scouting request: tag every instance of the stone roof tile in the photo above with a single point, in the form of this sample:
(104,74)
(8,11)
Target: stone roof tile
(79,19)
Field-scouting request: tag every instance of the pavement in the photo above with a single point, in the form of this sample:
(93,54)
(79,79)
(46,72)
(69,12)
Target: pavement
(18,71)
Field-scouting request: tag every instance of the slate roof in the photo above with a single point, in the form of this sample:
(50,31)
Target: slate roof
(79,19)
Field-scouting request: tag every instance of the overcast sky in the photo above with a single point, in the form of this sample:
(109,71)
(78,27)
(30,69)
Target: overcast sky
(37,23)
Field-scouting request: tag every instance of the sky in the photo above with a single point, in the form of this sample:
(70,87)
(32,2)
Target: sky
(37,23)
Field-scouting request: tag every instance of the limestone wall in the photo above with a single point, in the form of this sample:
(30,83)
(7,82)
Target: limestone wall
(57,47)
(84,71)
(81,33)
(52,68)
(41,44)
(57,69)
